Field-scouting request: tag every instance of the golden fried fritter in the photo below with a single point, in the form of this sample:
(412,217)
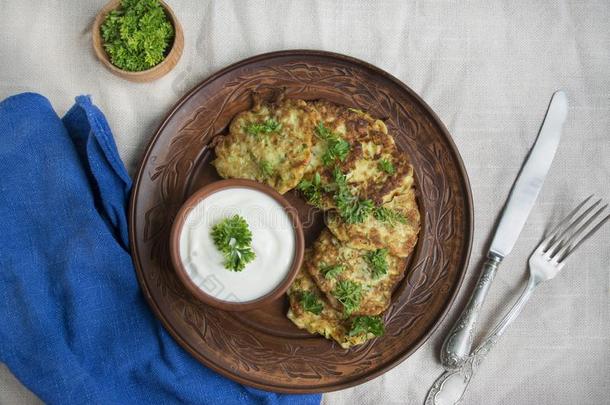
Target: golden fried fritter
(360,147)
(270,143)
(355,281)
(394,225)
(309,310)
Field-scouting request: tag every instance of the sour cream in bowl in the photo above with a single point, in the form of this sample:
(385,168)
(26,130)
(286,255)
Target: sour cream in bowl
(237,244)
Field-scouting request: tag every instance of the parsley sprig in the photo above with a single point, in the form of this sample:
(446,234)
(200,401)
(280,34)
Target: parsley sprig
(367,324)
(378,262)
(339,184)
(337,148)
(137,34)
(386,166)
(265,167)
(348,293)
(266,127)
(311,303)
(389,215)
(351,208)
(312,190)
(331,270)
(233,238)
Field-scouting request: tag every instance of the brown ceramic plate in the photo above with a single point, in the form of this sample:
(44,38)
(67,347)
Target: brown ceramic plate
(262,348)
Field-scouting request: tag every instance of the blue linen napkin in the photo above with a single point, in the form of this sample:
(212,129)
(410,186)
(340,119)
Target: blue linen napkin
(74,327)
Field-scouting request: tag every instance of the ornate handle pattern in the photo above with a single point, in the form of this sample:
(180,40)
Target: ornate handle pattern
(450,387)
(458,343)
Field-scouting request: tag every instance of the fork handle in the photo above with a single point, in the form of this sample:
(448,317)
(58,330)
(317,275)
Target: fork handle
(498,331)
(450,387)
(458,343)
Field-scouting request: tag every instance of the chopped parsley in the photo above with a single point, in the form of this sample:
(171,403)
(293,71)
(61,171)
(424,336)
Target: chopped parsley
(351,208)
(266,127)
(311,303)
(266,168)
(367,324)
(340,180)
(337,148)
(389,215)
(386,166)
(378,262)
(233,238)
(312,190)
(331,271)
(348,293)
(324,133)
(137,35)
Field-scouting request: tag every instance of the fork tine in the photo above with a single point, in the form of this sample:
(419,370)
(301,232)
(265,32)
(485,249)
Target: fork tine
(570,249)
(567,225)
(551,238)
(570,234)
(566,231)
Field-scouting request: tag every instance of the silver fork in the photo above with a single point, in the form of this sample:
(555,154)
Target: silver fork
(544,264)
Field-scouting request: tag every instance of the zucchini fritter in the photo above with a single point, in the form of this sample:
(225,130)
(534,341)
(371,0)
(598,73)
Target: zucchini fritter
(343,161)
(393,225)
(355,281)
(309,310)
(357,145)
(270,143)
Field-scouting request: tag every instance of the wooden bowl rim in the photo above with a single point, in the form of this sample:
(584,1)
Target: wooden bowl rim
(154,72)
(205,192)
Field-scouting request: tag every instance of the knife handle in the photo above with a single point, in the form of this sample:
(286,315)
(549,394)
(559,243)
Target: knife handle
(458,343)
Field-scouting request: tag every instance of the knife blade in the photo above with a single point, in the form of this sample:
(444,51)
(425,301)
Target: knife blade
(529,182)
(522,197)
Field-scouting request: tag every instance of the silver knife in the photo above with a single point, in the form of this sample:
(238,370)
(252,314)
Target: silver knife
(458,343)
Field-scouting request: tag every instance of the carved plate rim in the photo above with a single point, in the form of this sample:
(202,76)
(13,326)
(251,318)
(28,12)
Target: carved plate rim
(468,219)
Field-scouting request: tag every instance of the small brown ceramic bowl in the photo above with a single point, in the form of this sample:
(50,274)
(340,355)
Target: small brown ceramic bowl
(171,59)
(178,226)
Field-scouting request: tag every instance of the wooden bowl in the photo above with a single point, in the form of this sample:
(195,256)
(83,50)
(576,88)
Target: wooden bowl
(171,59)
(178,226)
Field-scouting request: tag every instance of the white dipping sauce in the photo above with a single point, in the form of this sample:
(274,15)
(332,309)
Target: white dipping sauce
(273,241)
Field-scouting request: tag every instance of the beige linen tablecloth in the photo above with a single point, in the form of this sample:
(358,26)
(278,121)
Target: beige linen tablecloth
(488,69)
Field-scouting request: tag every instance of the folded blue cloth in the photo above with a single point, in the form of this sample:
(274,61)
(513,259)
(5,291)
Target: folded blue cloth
(74,327)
